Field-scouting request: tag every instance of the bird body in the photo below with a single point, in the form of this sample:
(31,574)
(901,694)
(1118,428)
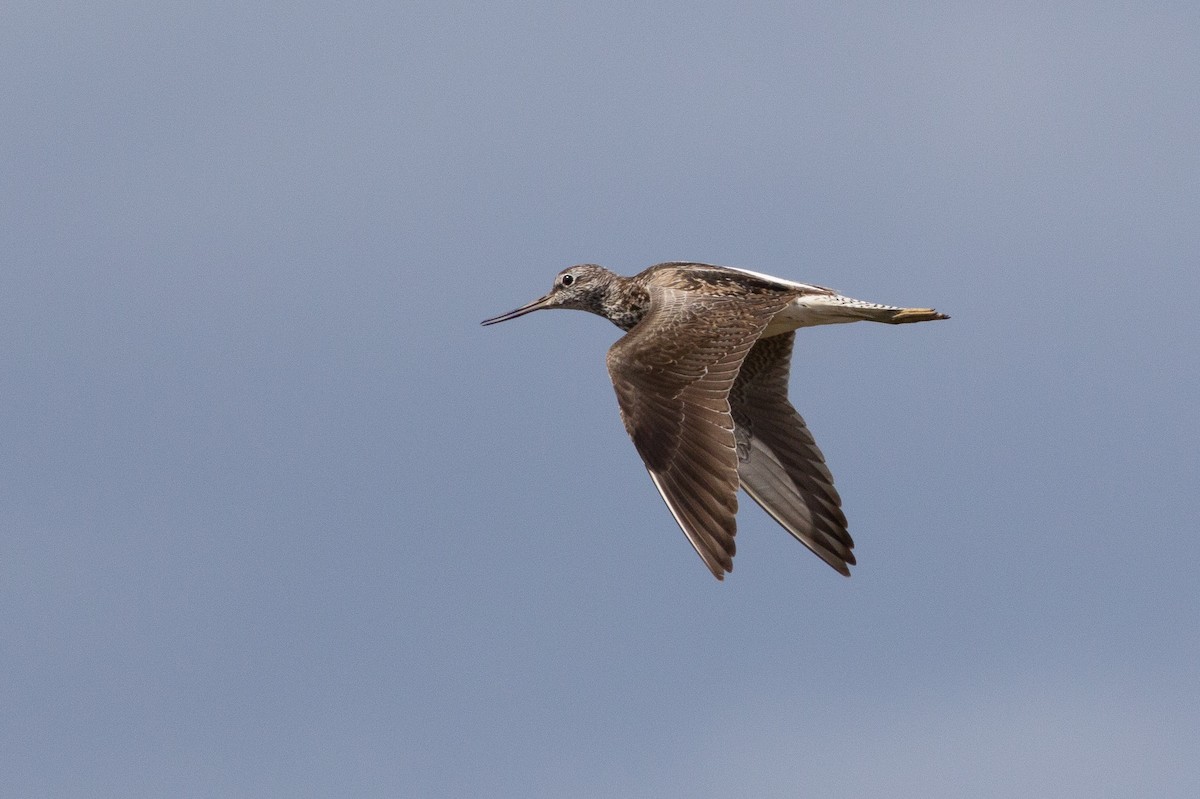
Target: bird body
(701,378)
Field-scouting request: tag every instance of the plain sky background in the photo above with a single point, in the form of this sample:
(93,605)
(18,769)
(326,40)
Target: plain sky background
(279,519)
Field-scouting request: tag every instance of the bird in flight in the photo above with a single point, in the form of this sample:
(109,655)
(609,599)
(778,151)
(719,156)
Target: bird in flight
(701,377)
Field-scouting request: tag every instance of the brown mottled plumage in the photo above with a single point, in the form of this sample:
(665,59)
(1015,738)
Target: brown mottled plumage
(701,380)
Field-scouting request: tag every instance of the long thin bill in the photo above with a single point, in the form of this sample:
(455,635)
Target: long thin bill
(524,309)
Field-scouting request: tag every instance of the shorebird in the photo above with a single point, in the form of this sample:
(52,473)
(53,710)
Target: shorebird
(701,377)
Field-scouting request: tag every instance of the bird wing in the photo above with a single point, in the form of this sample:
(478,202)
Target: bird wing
(780,466)
(672,374)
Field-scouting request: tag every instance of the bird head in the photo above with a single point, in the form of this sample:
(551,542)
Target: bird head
(582,288)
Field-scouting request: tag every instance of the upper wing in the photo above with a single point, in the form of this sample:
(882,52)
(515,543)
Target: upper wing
(781,467)
(672,374)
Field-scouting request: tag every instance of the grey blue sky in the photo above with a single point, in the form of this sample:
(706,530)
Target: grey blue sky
(279,519)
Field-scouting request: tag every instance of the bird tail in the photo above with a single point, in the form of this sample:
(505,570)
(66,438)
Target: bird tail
(832,309)
(906,315)
(851,309)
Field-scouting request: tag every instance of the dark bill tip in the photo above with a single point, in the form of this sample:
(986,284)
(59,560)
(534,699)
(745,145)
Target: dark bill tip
(540,302)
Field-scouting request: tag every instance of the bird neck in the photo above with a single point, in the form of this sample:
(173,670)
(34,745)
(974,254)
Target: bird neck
(625,303)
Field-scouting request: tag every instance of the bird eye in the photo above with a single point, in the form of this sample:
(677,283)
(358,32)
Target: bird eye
(567,280)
